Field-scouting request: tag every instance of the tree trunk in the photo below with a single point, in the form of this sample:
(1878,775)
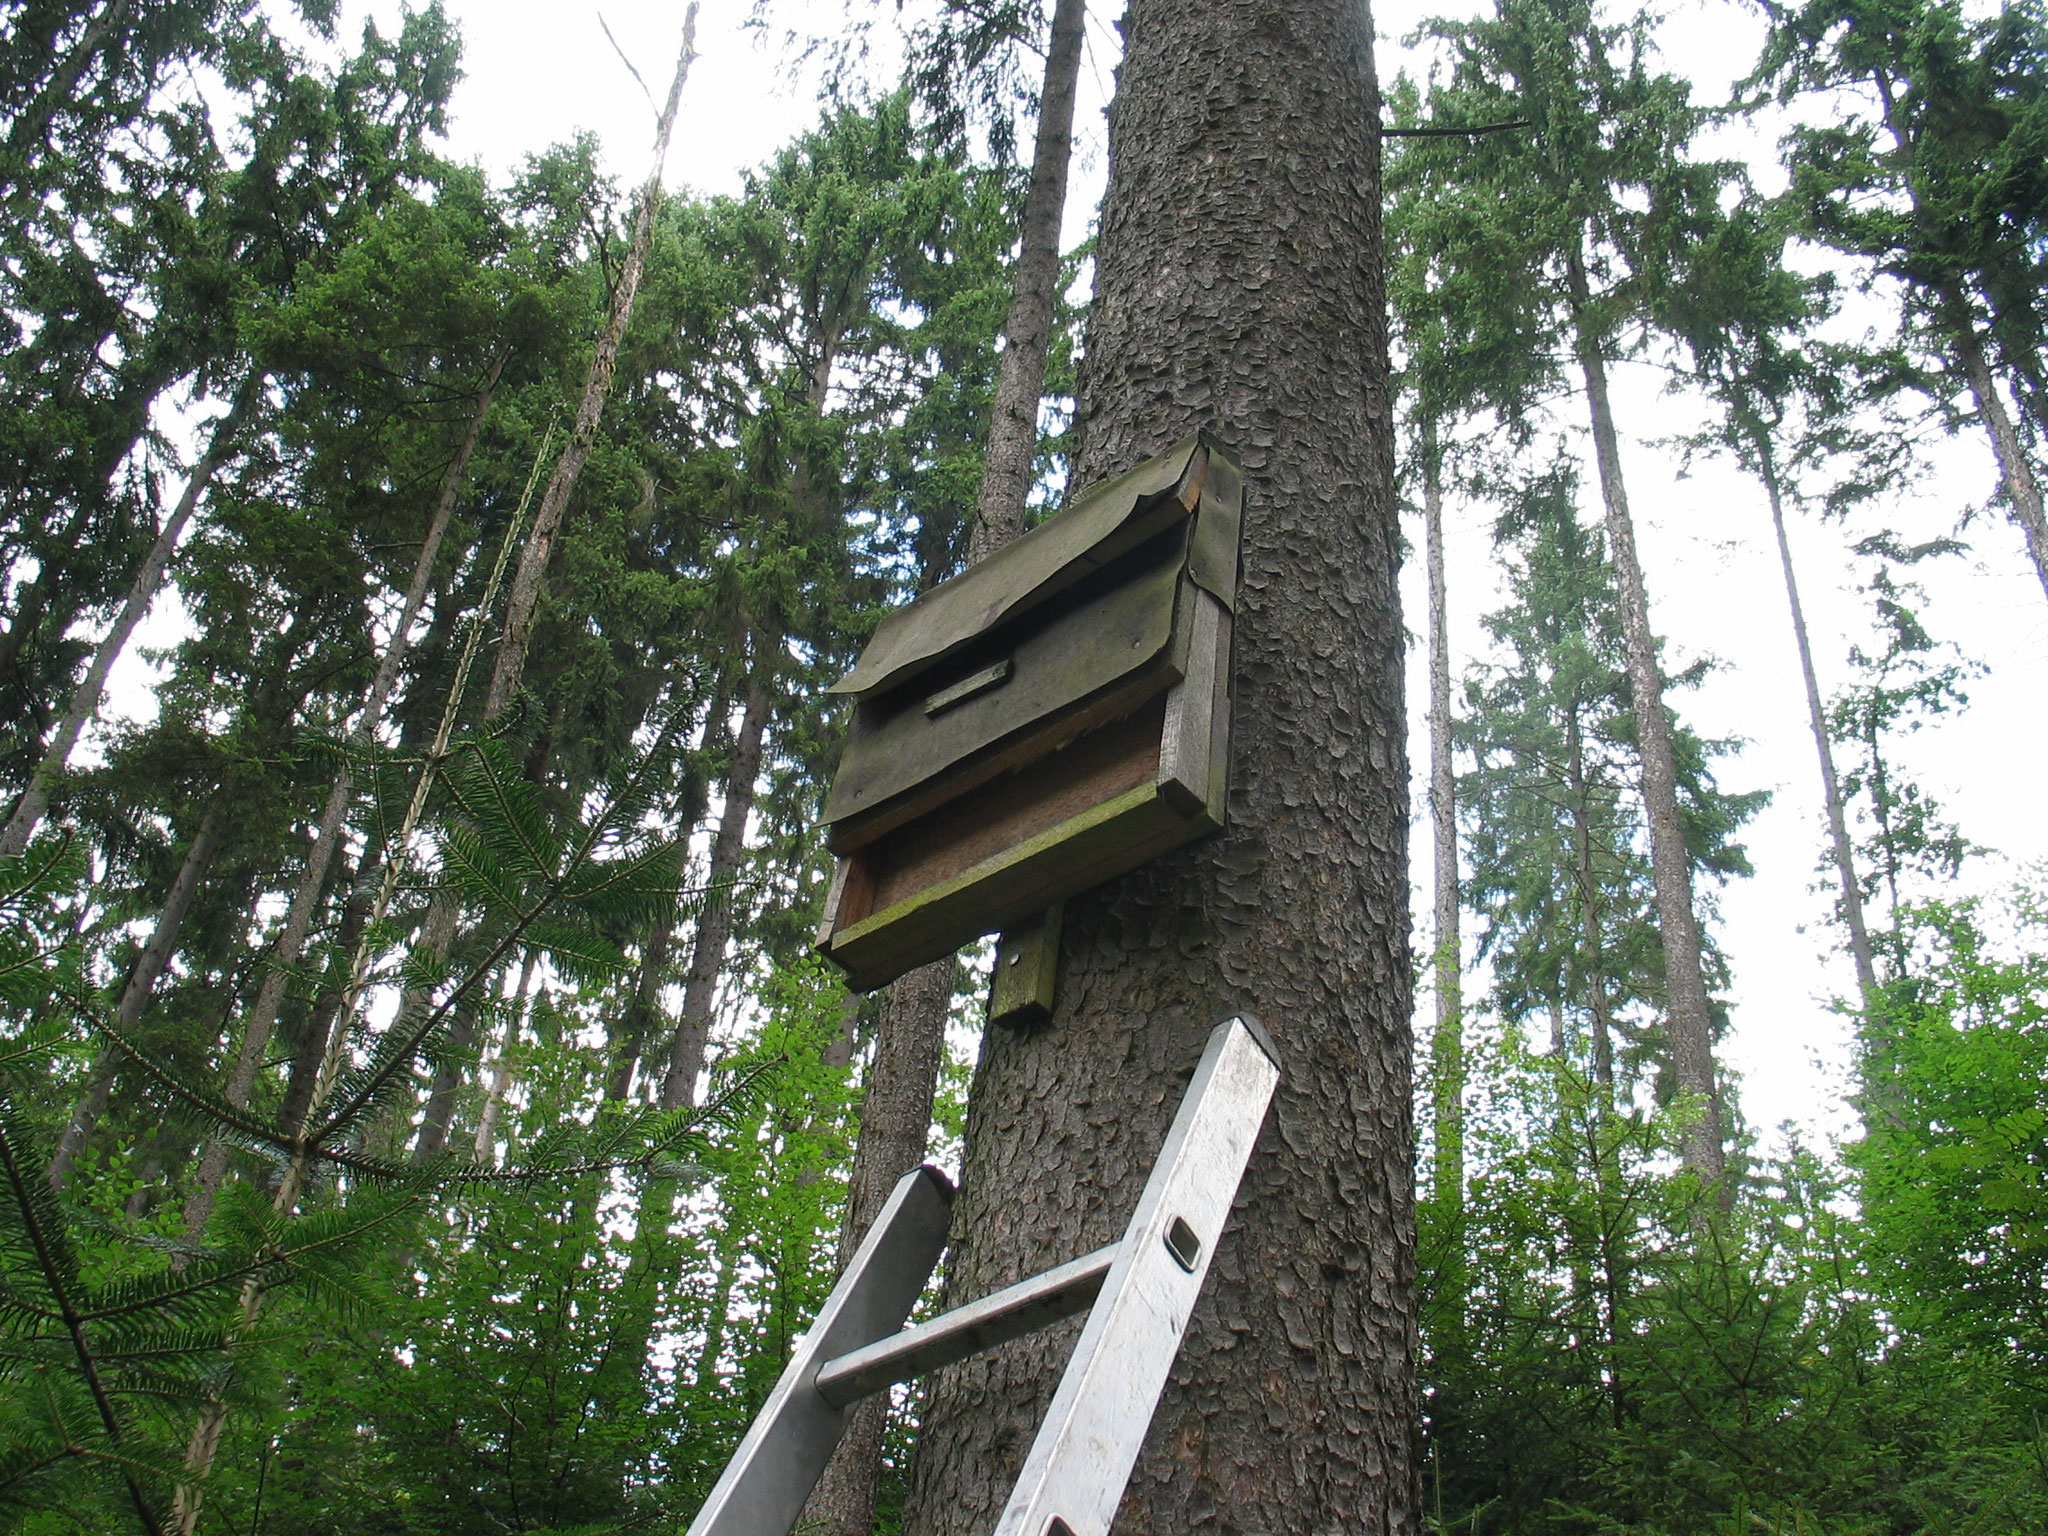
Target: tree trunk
(1447,1040)
(714,922)
(1597,1002)
(311,1049)
(1239,288)
(142,980)
(2022,485)
(1688,1012)
(597,388)
(1020,372)
(85,698)
(1817,719)
(327,837)
(486,1141)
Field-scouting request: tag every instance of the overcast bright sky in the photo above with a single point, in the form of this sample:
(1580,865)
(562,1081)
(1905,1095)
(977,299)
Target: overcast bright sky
(539,72)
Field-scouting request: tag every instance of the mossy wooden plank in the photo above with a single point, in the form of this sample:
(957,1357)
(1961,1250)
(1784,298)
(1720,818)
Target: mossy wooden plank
(1096,845)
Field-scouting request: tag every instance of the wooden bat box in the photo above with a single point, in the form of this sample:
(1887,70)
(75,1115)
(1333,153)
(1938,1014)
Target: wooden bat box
(1046,721)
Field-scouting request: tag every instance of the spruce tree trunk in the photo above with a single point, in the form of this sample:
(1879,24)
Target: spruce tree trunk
(1816,714)
(1688,1012)
(142,979)
(85,698)
(1238,287)
(597,388)
(714,923)
(1589,904)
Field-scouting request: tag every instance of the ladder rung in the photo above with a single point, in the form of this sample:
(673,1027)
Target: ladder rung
(1008,1314)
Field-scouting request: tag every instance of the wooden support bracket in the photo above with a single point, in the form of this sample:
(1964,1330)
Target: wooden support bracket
(1027,974)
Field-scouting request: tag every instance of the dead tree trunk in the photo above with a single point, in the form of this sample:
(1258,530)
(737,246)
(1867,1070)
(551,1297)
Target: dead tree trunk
(1688,1012)
(1238,288)
(597,388)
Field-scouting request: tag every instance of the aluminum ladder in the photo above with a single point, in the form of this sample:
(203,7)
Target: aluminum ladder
(1139,1291)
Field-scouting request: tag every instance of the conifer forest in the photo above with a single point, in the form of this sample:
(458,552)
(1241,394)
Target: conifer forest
(423,566)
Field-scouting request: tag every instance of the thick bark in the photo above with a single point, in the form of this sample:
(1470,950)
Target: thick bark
(1817,719)
(1238,288)
(1688,1012)
(142,979)
(895,1125)
(1020,373)
(714,922)
(597,388)
(85,698)
(327,838)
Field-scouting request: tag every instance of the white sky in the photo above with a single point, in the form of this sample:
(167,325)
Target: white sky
(536,73)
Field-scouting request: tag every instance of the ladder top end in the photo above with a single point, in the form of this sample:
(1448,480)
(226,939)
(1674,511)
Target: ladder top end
(1258,1033)
(941,1185)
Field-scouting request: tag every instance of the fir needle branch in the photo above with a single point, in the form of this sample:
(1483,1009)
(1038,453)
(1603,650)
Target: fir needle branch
(29,1199)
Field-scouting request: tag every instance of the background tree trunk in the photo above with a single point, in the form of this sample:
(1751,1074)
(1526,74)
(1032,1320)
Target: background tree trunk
(1238,287)
(714,924)
(1842,850)
(1020,374)
(1688,1012)
(142,979)
(85,698)
(1447,1037)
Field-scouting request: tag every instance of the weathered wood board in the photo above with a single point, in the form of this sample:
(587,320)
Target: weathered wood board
(1047,721)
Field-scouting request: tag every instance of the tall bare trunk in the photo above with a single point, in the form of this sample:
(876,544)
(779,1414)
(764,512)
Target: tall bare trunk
(1688,1012)
(1020,376)
(1238,288)
(715,920)
(1597,1001)
(85,698)
(298,920)
(1447,1041)
(142,979)
(597,388)
(1817,720)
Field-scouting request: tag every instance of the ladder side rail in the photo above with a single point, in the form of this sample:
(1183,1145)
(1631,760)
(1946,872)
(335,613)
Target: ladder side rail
(764,1486)
(1074,1475)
